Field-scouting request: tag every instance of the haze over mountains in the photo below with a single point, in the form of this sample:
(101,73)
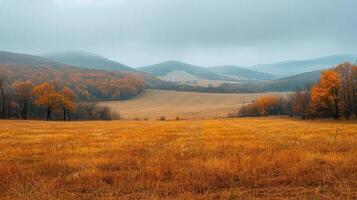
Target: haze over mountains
(9,58)
(88,60)
(241,73)
(281,76)
(164,68)
(176,68)
(300,66)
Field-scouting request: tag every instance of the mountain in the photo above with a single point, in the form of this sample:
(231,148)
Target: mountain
(240,73)
(173,67)
(291,83)
(300,66)
(88,60)
(9,58)
(88,84)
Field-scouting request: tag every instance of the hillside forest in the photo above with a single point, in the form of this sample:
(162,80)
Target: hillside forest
(43,92)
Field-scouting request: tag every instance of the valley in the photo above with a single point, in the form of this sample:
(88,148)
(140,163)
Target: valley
(153,104)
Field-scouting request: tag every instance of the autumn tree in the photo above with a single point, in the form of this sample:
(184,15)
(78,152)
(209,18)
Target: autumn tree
(354,88)
(325,95)
(23,91)
(346,89)
(5,98)
(68,105)
(47,97)
(2,97)
(266,105)
(301,103)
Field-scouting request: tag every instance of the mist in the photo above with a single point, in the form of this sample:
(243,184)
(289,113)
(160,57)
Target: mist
(202,32)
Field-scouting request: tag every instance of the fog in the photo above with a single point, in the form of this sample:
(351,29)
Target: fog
(202,32)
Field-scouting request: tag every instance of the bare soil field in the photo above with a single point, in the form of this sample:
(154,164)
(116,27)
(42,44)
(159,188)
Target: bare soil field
(186,105)
(251,158)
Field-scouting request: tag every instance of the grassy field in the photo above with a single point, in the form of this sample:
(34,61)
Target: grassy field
(186,105)
(186,78)
(268,158)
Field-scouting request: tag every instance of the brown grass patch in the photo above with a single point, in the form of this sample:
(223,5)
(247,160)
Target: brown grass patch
(274,158)
(186,105)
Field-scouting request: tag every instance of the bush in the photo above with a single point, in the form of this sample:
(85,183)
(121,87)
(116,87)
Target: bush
(264,106)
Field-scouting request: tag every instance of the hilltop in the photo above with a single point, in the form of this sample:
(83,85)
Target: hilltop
(88,60)
(288,68)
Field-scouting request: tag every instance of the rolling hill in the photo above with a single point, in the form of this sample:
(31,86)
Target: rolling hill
(288,68)
(291,83)
(165,68)
(9,58)
(88,60)
(88,84)
(240,73)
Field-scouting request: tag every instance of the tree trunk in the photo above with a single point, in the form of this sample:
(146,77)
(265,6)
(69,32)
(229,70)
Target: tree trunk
(48,117)
(64,114)
(337,112)
(24,109)
(3,109)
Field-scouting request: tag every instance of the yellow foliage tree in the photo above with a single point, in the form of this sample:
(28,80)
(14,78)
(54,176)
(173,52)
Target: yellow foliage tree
(266,104)
(46,96)
(68,105)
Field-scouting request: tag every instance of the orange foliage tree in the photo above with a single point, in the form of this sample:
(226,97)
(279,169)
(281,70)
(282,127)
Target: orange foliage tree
(46,96)
(325,95)
(266,104)
(68,105)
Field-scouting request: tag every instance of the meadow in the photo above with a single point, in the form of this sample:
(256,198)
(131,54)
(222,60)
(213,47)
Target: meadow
(246,158)
(152,104)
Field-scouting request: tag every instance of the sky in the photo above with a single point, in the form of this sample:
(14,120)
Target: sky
(201,32)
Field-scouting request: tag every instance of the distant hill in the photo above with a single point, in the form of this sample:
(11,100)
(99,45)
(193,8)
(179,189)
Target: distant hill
(165,68)
(88,60)
(9,58)
(88,84)
(240,73)
(291,83)
(300,66)
(287,84)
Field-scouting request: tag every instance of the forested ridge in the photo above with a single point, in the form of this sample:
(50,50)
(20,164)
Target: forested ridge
(56,91)
(87,84)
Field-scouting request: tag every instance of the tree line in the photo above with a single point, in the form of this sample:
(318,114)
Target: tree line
(50,92)
(334,96)
(48,100)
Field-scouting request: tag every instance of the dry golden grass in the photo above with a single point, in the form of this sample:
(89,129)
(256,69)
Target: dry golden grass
(268,158)
(186,105)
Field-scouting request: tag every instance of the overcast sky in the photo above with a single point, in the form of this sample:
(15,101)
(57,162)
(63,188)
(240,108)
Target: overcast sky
(202,32)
